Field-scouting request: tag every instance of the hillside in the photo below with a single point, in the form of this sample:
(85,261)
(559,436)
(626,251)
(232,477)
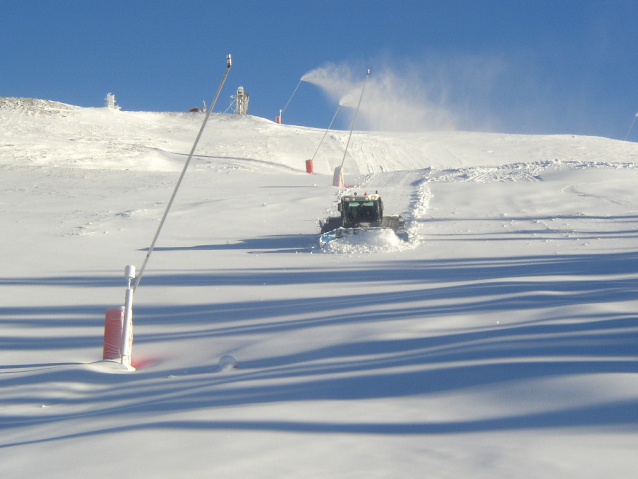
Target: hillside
(500,341)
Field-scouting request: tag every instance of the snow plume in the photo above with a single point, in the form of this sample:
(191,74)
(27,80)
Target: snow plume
(393,101)
(435,94)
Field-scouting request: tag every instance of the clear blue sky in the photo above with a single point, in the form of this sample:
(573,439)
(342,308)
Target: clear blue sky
(537,66)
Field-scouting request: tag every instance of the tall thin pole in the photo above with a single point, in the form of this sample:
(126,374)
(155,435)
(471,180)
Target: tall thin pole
(281,112)
(229,63)
(327,130)
(632,125)
(355,118)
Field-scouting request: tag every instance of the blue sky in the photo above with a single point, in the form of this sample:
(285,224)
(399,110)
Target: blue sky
(558,66)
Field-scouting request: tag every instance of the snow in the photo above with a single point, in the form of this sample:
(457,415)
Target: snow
(499,341)
(371,241)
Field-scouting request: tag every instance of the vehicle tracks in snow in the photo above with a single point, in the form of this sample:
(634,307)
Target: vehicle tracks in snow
(404,193)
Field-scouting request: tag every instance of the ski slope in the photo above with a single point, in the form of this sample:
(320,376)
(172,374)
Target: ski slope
(500,341)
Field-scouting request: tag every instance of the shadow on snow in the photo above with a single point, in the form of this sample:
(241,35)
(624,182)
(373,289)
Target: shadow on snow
(564,343)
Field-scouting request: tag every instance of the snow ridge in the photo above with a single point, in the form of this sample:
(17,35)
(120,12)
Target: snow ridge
(33,106)
(515,171)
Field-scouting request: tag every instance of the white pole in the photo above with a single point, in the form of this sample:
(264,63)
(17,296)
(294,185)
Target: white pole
(355,117)
(127,330)
(190,156)
(281,112)
(324,135)
(632,125)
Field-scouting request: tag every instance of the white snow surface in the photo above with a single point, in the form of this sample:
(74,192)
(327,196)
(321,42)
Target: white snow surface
(499,341)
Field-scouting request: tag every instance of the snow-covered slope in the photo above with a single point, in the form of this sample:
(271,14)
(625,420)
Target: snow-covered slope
(104,138)
(499,342)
